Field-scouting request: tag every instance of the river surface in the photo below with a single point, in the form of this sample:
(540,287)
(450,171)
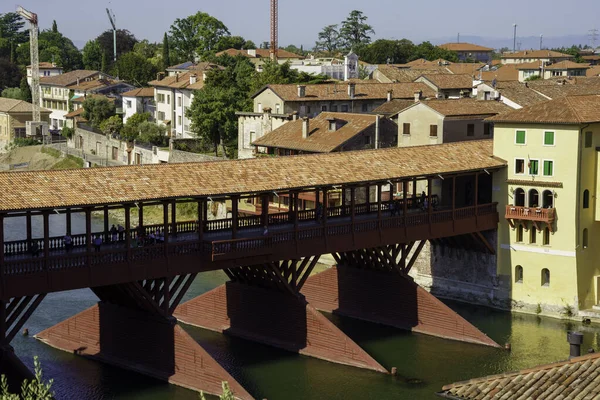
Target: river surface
(424,363)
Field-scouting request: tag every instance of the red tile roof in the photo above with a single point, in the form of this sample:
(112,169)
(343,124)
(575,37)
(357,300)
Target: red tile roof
(537,54)
(179,81)
(465,47)
(450,81)
(68,78)
(567,65)
(139,92)
(117,185)
(467,107)
(17,106)
(571,110)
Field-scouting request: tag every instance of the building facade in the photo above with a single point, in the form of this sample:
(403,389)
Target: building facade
(468,52)
(138,101)
(14,115)
(253,126)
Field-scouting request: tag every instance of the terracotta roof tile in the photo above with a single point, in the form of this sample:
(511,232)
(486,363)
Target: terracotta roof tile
(578,378)
(450,81)
(116,185)
(139,92)
(393,107)
(179,81)
(94,84)
(321,139)
(566,87)
(464,47)
(68,78)
(520,93)
(593,71)
(75,113)
(466,107)
(563,110)
(531,65)
(536,54)
(363,91)
(567,65)
(395,74)
(465,68)
(504,73)
(17,106)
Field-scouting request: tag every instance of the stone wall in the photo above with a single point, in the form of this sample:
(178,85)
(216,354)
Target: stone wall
(462,274)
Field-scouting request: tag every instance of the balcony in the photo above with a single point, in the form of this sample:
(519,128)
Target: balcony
(536,215)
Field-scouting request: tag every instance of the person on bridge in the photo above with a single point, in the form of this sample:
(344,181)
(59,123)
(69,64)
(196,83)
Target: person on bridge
(97,242)
(121,231)
(68,241)
(35,248)
(113,233)
(266,231)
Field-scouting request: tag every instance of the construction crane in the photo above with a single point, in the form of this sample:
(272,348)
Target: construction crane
(112,19)
(274,29)
(35,60)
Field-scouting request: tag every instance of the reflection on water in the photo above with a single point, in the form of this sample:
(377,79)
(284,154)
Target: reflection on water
(424,363)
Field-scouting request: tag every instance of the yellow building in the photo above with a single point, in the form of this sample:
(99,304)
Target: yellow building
(550,198)
(13,117)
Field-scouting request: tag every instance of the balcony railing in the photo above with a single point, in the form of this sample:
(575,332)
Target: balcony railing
(535,214)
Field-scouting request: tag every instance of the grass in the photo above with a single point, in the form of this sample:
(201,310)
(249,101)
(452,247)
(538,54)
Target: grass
(51,152)
(69,162)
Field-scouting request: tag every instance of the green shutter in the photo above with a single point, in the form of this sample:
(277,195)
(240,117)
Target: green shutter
(549,138)
(548,168)
(520,137)
(533,167)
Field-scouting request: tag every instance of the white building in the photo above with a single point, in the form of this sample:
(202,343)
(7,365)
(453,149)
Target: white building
(46,69)
(138,101)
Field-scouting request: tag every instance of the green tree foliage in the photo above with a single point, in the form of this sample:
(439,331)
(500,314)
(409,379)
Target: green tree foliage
(125,43)
(54,27)
(10,75)
(293,49)
(12,93)
(135,69)
(11,34)
(166,53)
(53,47)
(430,52)
(149,51)
(573,50)
(13,52)
(152,133)
(97,109)
(196,35)
(234,42)
(131,130)
(67,132)
(112,126)
(25,90)
(104,63)
(213,109)
(383,51)
(329,39)
(92,56)
(354,33)
(227,393)
(36,389)
(275,73)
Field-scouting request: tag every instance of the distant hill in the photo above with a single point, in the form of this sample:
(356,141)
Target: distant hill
(529,42)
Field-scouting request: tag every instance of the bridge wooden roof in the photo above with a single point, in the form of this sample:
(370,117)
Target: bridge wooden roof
(117,185)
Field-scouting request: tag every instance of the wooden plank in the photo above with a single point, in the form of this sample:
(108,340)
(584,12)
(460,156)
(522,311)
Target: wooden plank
(415,256)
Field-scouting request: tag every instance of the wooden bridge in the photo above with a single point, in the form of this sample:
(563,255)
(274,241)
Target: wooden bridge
(390,203)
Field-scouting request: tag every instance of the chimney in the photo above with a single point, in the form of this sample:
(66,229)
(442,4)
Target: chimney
(301,90)
(160,76)
(203,76)
(252,52)
(177,77)
(351,90)
(267,110)
(77,81)
(418,95)
(294,115)
(305,127)
(575,340)
(377,119)
(193,79)
(390,95)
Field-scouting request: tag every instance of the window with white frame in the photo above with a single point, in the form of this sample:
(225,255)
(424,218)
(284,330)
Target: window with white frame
(548,168)
(519,166)
(534,167)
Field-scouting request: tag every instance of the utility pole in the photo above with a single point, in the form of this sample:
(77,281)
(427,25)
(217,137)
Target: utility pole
(35,60)
(274,29)
(593,34)
(515,38)
(112,19)
(541,41)
(458,38)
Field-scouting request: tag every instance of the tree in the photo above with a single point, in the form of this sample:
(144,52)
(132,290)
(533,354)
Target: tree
(329,39)
(196,35)
(12,93)
(104,63)
(54,27)
(53,47)
(25,90)
(35,389)
(130,130)
(13,52)
(166,53)
(149,51)
(384,51)
(152,133)
(293,49)
(274,73)
(430,52)
(112,125)
(135,69)
(10,76)
(227,393)
(354,33)
(125,43)
(97,109)
(92,56)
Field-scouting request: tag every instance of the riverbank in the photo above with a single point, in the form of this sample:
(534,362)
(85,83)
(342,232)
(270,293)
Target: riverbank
(37,158)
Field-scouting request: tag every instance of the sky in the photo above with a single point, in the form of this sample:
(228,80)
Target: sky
(300,21)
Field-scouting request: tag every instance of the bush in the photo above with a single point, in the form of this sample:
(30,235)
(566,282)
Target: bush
(22,142)
(227,394)
(67,132)
(35,389)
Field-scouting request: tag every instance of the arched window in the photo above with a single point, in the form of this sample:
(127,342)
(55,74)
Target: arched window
(519,197)
(586,198)
(534,198)
(547,199)
(585,238)
(518,274)
(545,277)
(519,233)
(547,237)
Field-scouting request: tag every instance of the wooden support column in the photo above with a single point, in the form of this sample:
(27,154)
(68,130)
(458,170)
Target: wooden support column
(106,232)
(88,235)
(405,194)
(352,210)
(415,194)
(476,200)
(264,209)
(454,202)
(141,216)
(368,197)
(343,200)
(325,206)
(2,305)
(205,215)
(379,203)
(29,233)
(174,218)
(127,208)
(317,202)
(46,218)
(166,224)
(199,229)
(68,222)
(234,216)
(429,205)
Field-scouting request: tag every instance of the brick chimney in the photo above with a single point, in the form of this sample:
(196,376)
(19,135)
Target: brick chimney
(351,90)
(301,90)
(390,95)
(418,96)
(193,79)
(305,128)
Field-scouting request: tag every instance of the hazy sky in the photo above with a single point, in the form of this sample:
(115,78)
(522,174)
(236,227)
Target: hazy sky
(300,21)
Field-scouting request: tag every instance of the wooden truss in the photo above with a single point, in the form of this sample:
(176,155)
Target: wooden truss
(398,258)
(15,313)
